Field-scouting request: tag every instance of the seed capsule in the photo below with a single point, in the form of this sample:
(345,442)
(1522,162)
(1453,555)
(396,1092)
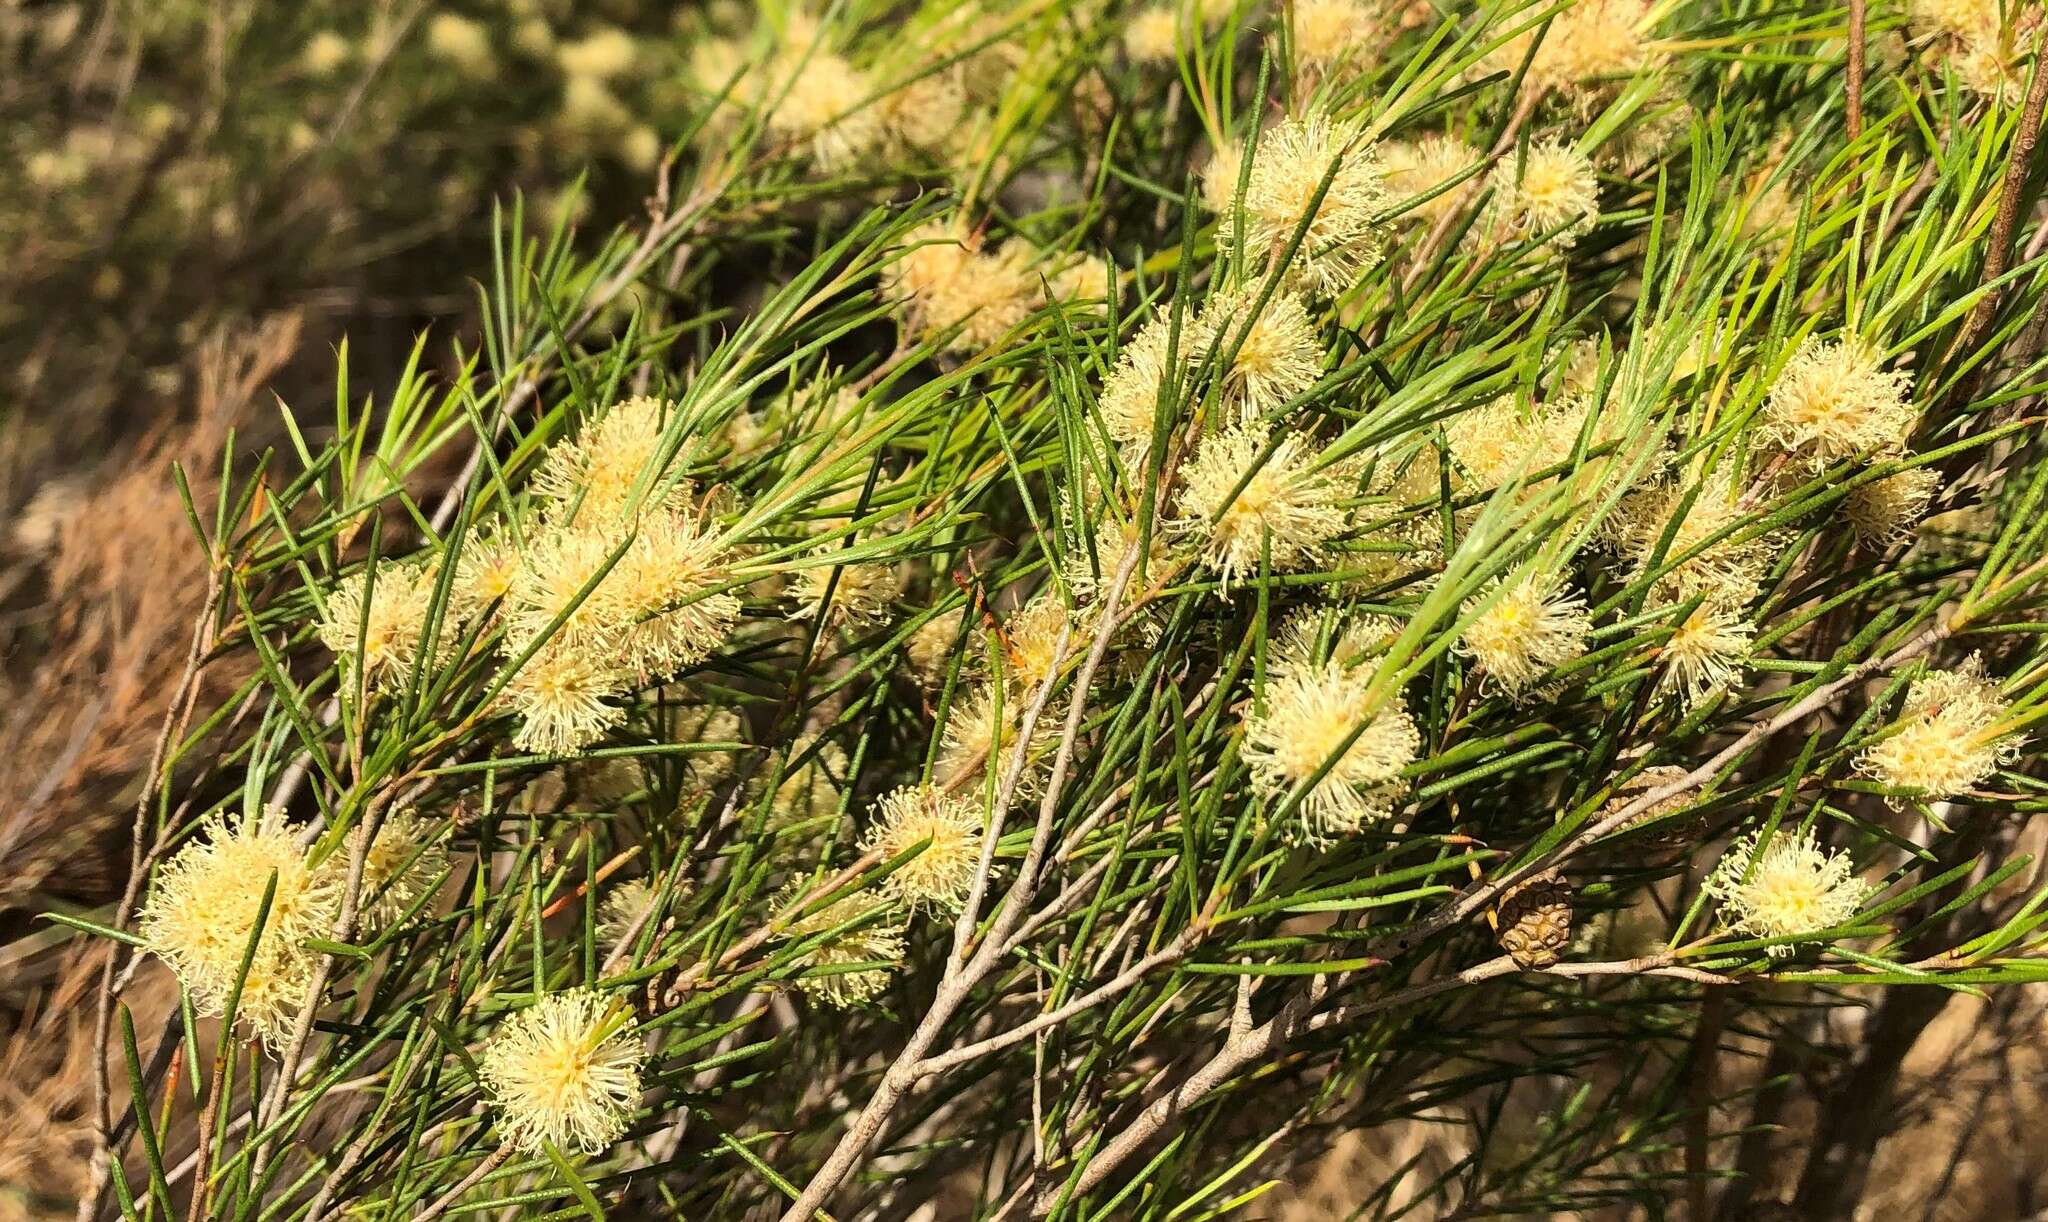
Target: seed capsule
(1535,920)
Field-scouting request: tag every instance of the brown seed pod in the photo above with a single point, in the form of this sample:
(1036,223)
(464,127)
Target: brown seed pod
(1534,919)
(1672,834)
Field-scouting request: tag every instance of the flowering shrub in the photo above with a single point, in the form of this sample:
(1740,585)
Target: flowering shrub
(1099,591)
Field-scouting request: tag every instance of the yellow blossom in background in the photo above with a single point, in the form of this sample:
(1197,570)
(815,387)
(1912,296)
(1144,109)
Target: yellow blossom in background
(484,573)
(606,52)
(819,103)
(1151,34)
(1220,176)
(628,912)
(1589,44)
(1305,641)
(1887,510)
(982,733)
(951,287)
(462,44)
(860,595)
(1328,31)
(325,53)
(1414,169)
(876,941)
(403,861)
(930,648)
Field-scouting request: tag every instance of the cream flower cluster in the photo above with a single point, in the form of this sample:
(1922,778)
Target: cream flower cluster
(952,289)
(1785,888)
(1949,736)
(620,580)
(200,915)
(1324,716)
(564,1072)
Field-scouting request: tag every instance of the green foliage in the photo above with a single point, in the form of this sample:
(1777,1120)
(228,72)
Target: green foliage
(1170,982)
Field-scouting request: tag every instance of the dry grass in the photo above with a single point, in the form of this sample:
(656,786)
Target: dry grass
(103,583)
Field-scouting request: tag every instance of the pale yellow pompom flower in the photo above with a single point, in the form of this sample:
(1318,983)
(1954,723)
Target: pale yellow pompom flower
(1130,394)
(877,940)
(201,912)
(658,608)
(1310,712)
(939,876)
(1245,506)
(859,596)
(484,573)
(564,1072)
(1948,738)
(1151,34)
(1705,653)
(562,695)
(606,52)
(953,289)
(1278,353)
(1031,640)
(1787,888)
(325,52)
(667,595)
(820,106)
(1832,402)
(1532,625)
(1491,443)
(1423,166)
(1327,31)
(1887,510)
(930,649)
(400,865)
(614,466)
(982,731)
(387,631)
(1552,195)
(1725,571)
(1289,167)
(462,44)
